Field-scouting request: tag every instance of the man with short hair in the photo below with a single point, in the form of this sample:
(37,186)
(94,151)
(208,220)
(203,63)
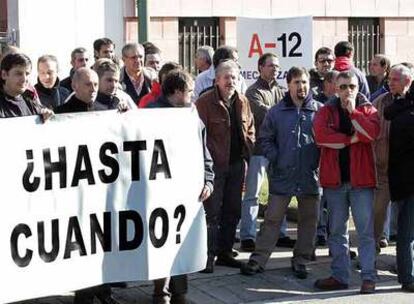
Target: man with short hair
(153,57)
(135,81)
(345,129)
(379,68)
(205,80)
(204,58)
(48,87)
(324,62)
(78,59)
(230,139)
(344,52)
(262,95)
(287,142)
(85,85)
(103,48)
(177,88)
(109,95)
(401,170)
(397,82)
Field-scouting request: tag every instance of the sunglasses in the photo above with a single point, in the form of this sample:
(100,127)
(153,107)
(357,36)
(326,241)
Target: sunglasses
(346,86)
(326,60)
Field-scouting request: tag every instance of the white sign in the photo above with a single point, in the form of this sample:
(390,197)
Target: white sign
(90,198)
(289,38)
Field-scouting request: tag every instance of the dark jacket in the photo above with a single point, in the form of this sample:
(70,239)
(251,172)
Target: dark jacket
(216,118)
(129,88)
(365,122)
(316,84)
(162,102)
(373,83)
(24,105)
(401,160)
(67,82)
(287,142)
(262,96)
(54,97)
(74,105)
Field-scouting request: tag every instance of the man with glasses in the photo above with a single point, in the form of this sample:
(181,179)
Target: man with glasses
(78,59)
(262,95)
(135,80)
(345,129)
(324,62)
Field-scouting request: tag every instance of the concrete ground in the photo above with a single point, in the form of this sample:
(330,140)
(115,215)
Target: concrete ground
(276,285)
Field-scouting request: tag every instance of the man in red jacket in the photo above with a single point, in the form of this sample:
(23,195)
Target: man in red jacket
(345,129)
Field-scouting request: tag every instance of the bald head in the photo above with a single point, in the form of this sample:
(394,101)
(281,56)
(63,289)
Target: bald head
(85,84)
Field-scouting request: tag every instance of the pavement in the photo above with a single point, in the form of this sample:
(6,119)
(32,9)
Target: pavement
(276,285)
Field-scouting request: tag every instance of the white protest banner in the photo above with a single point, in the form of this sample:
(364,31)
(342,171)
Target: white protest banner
(90,198)
(289,38)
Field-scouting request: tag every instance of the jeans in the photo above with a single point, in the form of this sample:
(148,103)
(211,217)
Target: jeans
(405,241)
(361,202)
(323,218)
(256,173)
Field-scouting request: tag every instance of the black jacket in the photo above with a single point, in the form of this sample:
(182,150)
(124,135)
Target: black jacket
(67,82)
(74,105)
(54,97)
(401,150)
(129,88)
(162,102)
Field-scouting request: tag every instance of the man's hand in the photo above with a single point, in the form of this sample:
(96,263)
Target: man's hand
(205,194)
(46,114)
(123,106)
(350,105)
(354,139)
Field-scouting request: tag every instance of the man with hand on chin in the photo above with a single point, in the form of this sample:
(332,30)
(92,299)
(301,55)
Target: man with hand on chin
(345,130)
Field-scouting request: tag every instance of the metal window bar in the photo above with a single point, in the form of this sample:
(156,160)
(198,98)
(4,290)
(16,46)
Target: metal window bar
(191,38)
(366,40)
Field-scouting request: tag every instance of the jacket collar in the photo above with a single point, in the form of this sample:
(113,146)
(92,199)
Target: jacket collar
(308,104)
(219,100)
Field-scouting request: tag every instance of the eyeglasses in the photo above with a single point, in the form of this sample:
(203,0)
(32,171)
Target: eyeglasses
(346,86)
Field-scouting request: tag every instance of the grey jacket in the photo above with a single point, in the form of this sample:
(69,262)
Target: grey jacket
(262,96)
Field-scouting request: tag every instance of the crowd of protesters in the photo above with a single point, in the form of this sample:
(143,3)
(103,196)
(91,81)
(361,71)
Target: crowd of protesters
(335,139)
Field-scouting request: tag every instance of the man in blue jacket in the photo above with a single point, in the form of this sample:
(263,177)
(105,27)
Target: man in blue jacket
(287,142)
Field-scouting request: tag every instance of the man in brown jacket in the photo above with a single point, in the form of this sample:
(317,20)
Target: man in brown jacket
(230,139)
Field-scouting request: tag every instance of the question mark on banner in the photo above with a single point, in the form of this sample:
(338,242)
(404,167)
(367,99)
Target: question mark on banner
(179,213)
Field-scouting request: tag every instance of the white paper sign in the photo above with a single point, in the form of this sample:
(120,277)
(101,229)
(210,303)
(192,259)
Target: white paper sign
(90,198)
(289,38)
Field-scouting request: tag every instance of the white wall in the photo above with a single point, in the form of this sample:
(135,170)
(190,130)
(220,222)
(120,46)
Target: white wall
(58,26)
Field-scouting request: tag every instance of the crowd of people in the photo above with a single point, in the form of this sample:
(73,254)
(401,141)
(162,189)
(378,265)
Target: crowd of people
(335,139)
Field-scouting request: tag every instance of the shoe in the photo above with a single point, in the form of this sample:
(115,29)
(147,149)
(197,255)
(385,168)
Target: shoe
(178,299)
(300,270)
(367,287)
(234,253)
(383,243)
(108,300)
(408,287)
(247,245)
(285,242)
(330,284)
(227,259)
(209,266)
(321,240)
(251,268)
